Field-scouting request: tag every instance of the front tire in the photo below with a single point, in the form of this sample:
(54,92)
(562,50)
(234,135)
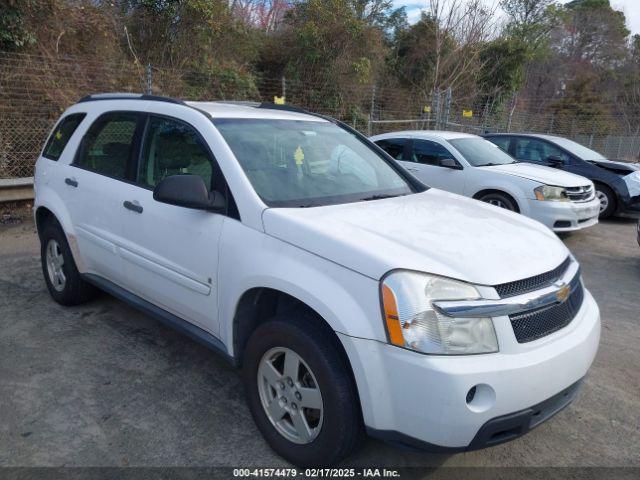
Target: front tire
(607,200)
(61,275)
(300,392)
(499,199)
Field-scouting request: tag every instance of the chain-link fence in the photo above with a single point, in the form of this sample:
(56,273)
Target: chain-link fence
(35,90)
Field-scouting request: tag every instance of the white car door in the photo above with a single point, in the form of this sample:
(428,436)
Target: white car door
(170,253)
(427,164)
(93,185)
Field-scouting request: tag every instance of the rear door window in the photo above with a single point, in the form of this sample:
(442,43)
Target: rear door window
(61,135)
(394,147)
(108,145)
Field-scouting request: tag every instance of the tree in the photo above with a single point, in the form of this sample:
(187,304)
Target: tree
(443,49)
(530,22)
(593,32)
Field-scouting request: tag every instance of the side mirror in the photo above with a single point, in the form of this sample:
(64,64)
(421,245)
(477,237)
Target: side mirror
(188,191)
(450,163)
(555,160)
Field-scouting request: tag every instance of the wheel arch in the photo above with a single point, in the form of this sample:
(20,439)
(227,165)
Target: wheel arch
(53,209)
(486,191)
(257,305)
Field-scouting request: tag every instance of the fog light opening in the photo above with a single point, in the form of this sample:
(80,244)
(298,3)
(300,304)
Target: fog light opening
(480,398)
(470,394)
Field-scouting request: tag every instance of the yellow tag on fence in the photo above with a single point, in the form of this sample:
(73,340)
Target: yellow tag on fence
(426,109)
(298,156)
(278,100)
(467,113)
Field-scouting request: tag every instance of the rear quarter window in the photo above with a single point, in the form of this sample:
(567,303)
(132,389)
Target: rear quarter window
(61,135)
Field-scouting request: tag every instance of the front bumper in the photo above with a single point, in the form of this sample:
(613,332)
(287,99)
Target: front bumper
(564,216)
(631,207)
(497,430)
(420,399)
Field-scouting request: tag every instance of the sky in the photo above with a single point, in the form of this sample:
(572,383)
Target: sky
(631,9)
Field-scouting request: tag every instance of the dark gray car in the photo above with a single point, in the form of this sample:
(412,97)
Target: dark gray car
(617,183)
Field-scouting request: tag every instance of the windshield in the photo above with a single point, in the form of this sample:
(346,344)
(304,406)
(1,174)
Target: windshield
(480,152)
(577,150)
(294,163)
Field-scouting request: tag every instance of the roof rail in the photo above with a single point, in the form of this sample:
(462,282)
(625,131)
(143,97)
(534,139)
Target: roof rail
(287,108)
(128,96)
(242,103)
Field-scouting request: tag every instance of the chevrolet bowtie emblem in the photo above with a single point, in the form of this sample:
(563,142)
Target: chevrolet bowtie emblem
(563,293)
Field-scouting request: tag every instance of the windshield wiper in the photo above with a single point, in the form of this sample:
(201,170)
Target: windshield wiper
(378,197)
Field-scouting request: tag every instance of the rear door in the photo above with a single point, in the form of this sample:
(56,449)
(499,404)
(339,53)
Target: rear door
(170,253)
(93,185)
(426,157)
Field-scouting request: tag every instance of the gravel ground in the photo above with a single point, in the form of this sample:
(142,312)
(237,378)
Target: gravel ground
(104,385)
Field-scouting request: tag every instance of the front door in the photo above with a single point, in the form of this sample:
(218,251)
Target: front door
(170,253)
(540,152)
(426,164)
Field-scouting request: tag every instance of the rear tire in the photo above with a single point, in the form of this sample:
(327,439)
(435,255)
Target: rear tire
(61,275)
(499,199)
(335,428)
(607,200)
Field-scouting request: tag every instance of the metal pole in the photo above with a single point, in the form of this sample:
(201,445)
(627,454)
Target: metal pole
(436,109)
(371,109)
(447,108)
(513,108)
(284,88)
(149,79)
(619,147)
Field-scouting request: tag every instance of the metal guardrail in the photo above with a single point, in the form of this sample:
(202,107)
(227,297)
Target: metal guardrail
(16,189)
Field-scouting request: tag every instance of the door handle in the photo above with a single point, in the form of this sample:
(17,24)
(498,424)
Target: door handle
(71,182)
(132,206)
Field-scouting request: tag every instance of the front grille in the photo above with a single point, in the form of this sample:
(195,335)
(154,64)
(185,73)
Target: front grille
(535,324)
(580,194)
(532,283)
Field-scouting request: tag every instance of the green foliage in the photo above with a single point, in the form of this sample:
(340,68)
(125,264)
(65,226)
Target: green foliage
(530,22)
(503,63)
(220,83)
(415,55)
(14,31)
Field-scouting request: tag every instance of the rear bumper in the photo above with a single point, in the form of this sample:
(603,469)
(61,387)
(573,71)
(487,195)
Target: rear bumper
(564,216)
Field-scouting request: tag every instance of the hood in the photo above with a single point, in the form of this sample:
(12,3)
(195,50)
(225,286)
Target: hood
(434,232)
(621,168)
(541,174)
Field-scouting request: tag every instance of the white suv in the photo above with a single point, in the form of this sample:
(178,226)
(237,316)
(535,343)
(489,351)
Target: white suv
(354,297)
(472,166)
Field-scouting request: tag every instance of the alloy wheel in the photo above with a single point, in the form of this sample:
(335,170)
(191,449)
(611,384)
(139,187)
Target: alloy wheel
(290,395)
(604,200)
(55,262)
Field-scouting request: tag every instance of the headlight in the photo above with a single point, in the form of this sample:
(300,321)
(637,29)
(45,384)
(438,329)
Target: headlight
(413,323)
(550,193)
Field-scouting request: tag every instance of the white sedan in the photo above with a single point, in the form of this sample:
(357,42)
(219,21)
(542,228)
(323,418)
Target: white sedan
(472,166)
